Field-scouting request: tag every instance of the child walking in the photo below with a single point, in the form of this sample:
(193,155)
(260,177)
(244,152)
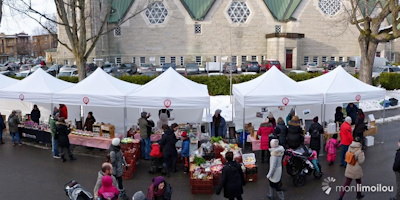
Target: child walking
(185,151)
(331,148)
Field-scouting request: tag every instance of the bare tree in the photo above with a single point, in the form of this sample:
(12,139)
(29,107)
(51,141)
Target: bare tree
(74,18)
(51,27)
(369,16)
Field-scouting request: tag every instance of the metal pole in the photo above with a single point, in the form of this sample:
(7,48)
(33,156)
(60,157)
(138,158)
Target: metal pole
(244,124)
(125,117)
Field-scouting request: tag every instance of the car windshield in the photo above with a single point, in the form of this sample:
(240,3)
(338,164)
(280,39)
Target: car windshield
(312,64)
(191,66)
(274,62)
(395,69)
(64,74)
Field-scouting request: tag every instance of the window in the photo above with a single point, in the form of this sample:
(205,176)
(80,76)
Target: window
(198,60)
(244,59)
(278,28)
(173,59)
(348,59)
(134,60)
(142,60)
(332,58)
(238,12)
(117,31)
(253,58)
(315,59)
(378,54)
(65,62)
(340,59)
(182,61)
(234,59)
(215,58)
(306,59)
(162,60)
(330,7)
(262,58)
(156,13)
(118,60)
(323,59)
(197,28)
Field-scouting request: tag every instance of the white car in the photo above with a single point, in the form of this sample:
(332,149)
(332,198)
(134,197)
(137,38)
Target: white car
(68,73)
(24,73)
(312,67)
(67,67)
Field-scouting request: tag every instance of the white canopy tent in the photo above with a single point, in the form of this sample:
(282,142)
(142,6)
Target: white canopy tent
(102,94)
(7,81)
(39,87)
(172,91)
(338,86)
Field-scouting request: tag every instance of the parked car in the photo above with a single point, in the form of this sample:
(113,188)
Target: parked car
(24,73)
(192,68)
(90,67)
(128,68)
(146,68)
(68,73)
(25,67)
(67,67)
(8,73)
(230,66)
(312,67)
(214,67)
(110,68)
(377,71)
(33,69)
(54,70)
(251,66)
(267,64)
(168,65)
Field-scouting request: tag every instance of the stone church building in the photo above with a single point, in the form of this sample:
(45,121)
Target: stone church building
(199,31)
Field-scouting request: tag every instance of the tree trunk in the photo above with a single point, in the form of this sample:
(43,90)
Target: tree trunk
(81,65)
(368,50)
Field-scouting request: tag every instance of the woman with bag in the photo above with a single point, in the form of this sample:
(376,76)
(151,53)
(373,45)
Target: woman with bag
(2,127)
(275,170)
(354,158)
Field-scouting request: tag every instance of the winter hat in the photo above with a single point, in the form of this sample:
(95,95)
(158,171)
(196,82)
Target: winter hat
(139,196)
(157,180)
(143,114)
(274,143)
(315,119)
(107,189)
(218,111)
(115,141)
(348,119)
(270,115)
(295,121)
(184,134)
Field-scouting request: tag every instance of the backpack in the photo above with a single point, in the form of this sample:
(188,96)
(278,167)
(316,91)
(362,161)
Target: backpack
(156,151)
(350,158)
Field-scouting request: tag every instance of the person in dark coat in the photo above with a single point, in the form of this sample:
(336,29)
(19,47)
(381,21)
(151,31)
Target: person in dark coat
(339,117)
(396,169)
(281,131)
(351,111)
(63,140)
(35,114)
(168,147)
(360,126)
(2,127)
(232,179)
(90,120)
(295,136)
(218,125)
(315,131)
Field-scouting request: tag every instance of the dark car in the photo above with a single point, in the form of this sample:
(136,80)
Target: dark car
(128,68)
(192,68)
(331,65)
(251,66)
(230,66)
(91,67)
(267,64)
(8,73)
(110,68)
(168,65)
(54,70)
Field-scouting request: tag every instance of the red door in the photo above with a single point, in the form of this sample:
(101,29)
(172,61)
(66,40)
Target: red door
(289,58)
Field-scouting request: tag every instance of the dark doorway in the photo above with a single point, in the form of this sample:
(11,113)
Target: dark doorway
(289,58)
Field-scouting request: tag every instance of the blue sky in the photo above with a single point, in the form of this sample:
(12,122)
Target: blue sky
(14,22)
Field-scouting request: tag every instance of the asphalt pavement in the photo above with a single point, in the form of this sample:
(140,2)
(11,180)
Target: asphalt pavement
(29,172)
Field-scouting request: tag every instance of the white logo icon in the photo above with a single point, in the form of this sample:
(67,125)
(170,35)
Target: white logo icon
(326,187)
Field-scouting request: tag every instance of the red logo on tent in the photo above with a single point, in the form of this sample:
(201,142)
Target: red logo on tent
(285,101)
(86,100)
(21,97)
(358,97)
(167,103)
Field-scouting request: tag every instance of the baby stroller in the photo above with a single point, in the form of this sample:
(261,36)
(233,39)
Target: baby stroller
(75,191)
(299,165)
(156,159)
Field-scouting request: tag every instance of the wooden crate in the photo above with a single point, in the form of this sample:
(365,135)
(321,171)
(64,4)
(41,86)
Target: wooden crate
(200,186)
(107,131)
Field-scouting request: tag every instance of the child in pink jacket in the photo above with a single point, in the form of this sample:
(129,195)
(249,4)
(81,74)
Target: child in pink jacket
(331,148)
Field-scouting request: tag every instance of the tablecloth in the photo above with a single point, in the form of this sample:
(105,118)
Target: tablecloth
(96,142)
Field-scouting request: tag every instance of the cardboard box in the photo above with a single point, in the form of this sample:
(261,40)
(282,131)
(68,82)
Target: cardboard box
(370,140)
(371,131)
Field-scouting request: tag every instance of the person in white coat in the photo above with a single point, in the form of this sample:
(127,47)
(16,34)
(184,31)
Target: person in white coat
(275,170)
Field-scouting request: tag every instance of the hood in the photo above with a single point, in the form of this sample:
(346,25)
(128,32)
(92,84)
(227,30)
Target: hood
(278,151)
(355,145)
(265,124)
(157,180)
(106,181)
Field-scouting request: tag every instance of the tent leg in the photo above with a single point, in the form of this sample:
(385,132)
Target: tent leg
(321,153)
(209,124)
(244,125)
(125,116)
